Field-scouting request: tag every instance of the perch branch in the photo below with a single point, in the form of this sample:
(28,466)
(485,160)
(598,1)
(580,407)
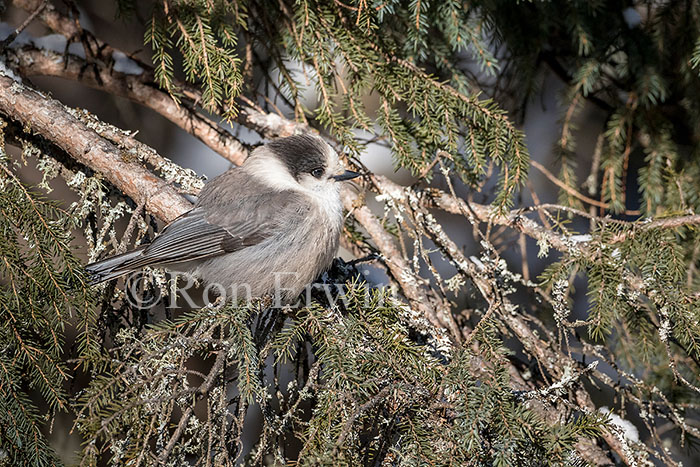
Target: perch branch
(55,122)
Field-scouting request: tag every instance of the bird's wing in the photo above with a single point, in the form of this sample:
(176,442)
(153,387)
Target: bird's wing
(240,223)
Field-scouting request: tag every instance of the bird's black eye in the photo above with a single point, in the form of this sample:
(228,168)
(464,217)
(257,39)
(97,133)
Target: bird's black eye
(317,172)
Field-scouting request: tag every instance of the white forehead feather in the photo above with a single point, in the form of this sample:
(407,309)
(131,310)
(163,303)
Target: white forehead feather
(268,169)
(267,166)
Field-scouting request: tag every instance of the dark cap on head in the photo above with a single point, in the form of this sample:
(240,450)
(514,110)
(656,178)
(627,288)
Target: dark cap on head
(300,153)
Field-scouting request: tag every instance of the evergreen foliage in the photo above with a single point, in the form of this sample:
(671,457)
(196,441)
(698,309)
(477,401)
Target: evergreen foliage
(42,288)
(347,54)
(376,395)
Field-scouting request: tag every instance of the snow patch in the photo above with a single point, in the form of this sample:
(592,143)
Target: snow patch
(4,70)
(57,43)
(123,64)
(627,429)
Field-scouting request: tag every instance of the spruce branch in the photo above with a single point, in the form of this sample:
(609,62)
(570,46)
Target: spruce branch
(367,219)
(640,275)
(275,125)
(42,287)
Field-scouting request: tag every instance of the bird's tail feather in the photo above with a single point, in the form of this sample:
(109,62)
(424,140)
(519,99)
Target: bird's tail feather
(112,267)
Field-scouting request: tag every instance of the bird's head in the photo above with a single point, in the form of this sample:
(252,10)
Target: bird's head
(300,162)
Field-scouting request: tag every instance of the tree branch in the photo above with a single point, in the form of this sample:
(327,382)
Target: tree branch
(13,35)
(31,61)
(55,122)
(64,25)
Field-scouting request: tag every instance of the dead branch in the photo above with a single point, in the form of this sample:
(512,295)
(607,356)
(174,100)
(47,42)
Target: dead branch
(13,35)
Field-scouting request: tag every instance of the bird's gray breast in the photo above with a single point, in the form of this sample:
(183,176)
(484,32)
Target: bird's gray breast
(299,232)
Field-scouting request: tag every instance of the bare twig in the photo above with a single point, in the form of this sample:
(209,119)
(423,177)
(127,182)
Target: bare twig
(552,178)
(13,35)
(204,388)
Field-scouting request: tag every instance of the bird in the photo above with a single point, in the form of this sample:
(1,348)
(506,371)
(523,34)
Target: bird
(268,227)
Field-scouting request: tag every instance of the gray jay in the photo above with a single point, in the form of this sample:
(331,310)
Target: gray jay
(272,224)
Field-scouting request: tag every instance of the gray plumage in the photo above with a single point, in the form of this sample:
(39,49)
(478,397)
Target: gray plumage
(271,224)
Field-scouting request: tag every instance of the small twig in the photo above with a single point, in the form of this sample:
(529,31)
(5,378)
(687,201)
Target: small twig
(363,408)
(429,167)
(13,35)
(202,389)
(522,244)
(131,226)
(567,188)
(484,319)
(365,259)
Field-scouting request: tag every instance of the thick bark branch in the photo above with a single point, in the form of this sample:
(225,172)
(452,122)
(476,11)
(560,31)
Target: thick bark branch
(31,61)
(53,121)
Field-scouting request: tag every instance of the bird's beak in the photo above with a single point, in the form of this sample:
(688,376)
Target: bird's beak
(347,175)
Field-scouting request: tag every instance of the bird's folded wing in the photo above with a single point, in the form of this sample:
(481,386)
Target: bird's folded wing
(191,237)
